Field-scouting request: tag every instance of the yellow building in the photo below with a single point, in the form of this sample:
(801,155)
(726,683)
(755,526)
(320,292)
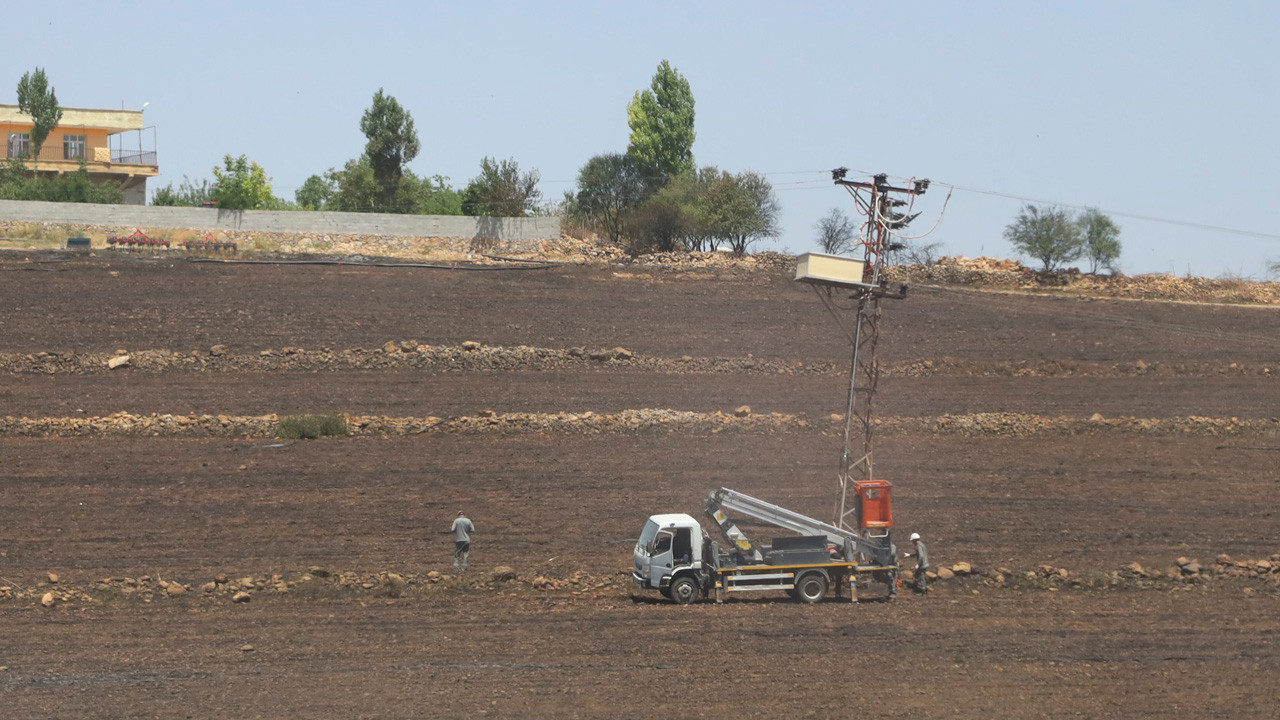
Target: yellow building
(114,145)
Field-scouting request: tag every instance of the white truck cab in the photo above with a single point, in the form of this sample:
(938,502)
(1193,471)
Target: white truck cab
(670,548)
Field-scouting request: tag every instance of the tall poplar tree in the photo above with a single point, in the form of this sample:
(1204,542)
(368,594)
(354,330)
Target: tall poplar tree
(661,121)
(37,99)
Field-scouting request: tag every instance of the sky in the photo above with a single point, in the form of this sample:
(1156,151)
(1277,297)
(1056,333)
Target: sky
(1161,113)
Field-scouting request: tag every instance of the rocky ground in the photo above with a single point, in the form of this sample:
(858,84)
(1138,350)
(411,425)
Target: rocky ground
(1093,476)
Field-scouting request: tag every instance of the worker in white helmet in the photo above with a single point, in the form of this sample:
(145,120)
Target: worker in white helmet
(922,563)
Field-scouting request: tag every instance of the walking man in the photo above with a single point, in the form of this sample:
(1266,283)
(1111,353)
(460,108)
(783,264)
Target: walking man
(462,531)
(922,563)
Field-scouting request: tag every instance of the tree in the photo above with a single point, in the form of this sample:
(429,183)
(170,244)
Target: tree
(314,193)
(17,184)
(188,194)
(241,184)
(392,142)
(501,190)
(661,122)
(1050,235)
(742,209)
(37,99)
(1101,239)
(608,186)
(835,232)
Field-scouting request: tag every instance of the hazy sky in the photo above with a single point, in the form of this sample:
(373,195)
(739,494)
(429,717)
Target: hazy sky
(1158,109)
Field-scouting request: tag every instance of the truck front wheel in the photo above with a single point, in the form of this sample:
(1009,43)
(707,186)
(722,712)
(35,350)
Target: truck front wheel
(811,588)
(684,590)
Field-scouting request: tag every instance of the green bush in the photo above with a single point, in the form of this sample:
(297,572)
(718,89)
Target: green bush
(310,427)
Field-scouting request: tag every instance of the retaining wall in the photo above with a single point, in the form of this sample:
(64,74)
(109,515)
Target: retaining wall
(425,226)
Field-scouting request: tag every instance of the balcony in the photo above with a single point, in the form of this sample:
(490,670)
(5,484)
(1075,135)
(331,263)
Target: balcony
(124,153)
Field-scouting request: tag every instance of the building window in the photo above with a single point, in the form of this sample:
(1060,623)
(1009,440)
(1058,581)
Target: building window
(73,147)
(19,145)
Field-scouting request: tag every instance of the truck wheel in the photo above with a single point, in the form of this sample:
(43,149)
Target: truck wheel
(811,588)
(684,590)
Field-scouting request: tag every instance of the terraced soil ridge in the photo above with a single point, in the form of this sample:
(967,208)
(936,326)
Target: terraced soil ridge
(319,583)
(475,357)
(123,424)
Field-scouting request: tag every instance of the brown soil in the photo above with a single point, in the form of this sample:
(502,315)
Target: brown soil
(551,503)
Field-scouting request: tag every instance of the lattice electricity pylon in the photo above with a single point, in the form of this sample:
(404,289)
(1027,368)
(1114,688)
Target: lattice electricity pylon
(882,218)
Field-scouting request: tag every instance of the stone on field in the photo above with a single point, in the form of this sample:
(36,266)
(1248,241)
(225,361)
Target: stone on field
(241,597)
(742,411)
(119,361)
(470,346)
(945,573)
(53,578)
(395,584)
(502,573)
(47,600)
(962,568)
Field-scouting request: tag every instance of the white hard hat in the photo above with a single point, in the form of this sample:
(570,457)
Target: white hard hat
(915,536)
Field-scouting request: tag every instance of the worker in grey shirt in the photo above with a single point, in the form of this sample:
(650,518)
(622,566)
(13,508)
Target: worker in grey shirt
(462,531)
(922,563)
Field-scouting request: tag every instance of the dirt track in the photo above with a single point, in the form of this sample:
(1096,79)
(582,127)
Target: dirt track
(551,503)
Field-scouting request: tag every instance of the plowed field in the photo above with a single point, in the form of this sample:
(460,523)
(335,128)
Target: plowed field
(567,637)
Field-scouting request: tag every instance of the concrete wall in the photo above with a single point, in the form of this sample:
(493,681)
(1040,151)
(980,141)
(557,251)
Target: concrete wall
(456,226)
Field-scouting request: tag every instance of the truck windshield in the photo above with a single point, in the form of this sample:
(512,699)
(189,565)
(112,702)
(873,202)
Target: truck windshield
(646,537)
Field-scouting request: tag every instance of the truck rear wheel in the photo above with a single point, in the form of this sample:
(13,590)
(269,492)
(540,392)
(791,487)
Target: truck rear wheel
(811,588)
(684,590)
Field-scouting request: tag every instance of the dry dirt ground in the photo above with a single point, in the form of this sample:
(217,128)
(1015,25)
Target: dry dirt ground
(567,506)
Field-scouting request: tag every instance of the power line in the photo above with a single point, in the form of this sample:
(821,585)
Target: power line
(1119,213)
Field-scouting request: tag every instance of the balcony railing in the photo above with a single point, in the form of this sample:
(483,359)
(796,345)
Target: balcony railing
(133,157)
(56,152)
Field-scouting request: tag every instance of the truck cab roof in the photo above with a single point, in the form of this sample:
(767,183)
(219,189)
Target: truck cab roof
(674,520)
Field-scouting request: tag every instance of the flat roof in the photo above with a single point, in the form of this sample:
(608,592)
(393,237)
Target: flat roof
(80,117)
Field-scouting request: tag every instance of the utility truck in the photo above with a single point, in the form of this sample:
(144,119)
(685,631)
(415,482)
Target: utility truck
(675,556)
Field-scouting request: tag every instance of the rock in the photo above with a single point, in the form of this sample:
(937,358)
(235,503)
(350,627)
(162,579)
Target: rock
(218,350)
(962,568)
(1046,570)
(1062,573)
(246,648)
(1183,561)
(742,411)
(47,600)
(221,578)
(175,589)
(945,573)
(245,582)
(486,414)
(1136,569)
(241,597)
(621,353)
(543,583)
(1225,559)
(119,361)
(209,588)
(318,571)
(391,347)
(1096,417)
(1191,568)
(1264,565)
(53,578)
(502,573)
(471,346)
(433,576)
(395,584)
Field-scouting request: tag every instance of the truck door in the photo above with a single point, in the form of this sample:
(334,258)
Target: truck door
(660,557)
